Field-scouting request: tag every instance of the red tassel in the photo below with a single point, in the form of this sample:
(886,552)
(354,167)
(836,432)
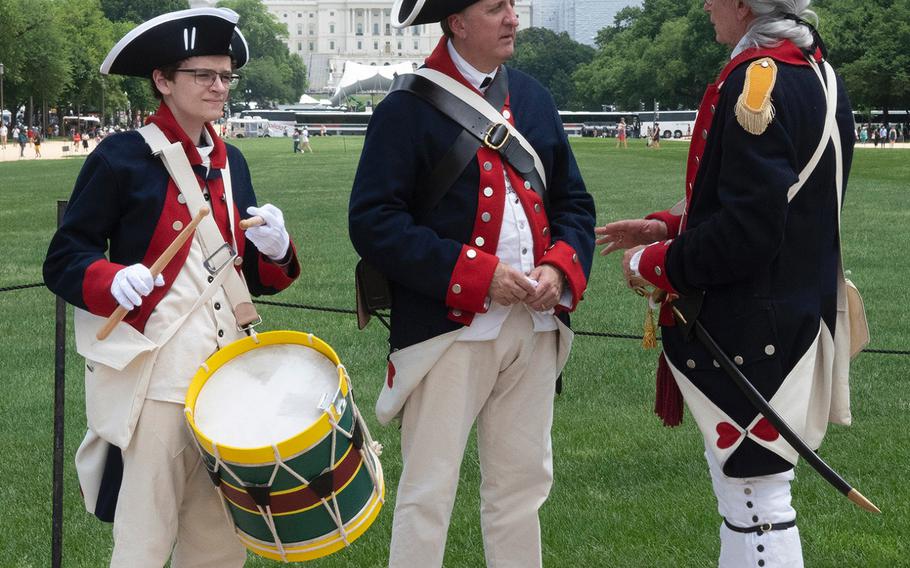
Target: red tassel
(668,404)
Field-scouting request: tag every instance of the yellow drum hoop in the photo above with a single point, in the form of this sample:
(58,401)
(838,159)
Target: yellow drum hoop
(292,446)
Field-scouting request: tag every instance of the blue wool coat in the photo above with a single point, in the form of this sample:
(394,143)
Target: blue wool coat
(122,211)
(767,268)
(423,257)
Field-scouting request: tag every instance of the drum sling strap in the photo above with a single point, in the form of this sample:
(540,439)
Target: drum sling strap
(853,336)
(483,125)
(220,254)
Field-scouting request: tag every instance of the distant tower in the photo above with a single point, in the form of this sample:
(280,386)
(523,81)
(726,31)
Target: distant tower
(581,19)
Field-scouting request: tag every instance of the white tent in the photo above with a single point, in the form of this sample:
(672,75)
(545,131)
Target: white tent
(307,100)
(358,78)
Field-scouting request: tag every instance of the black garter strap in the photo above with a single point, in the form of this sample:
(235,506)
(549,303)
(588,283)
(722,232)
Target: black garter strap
(763,528)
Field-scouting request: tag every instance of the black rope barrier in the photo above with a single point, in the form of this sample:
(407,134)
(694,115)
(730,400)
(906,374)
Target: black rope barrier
(385,314)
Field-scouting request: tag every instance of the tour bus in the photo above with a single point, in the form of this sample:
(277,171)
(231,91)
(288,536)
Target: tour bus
(597,124)
(335,121)
(673,123)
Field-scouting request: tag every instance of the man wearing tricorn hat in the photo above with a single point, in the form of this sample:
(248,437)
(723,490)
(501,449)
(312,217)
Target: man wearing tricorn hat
(481,280)
(757,241)
(149,478)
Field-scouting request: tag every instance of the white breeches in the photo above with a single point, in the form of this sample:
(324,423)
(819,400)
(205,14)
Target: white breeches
(749,502)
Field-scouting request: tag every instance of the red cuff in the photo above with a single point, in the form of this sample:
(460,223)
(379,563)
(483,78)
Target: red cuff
(471,278)
(563,256)
(278,276)
(672,221)
(653,265)
(96,287)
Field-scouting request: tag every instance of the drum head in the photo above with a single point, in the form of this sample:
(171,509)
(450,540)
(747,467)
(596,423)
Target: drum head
(265,396)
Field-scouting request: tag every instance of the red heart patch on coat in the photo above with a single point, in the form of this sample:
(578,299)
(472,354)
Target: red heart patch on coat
(390,374)
(765,431)
(727,435)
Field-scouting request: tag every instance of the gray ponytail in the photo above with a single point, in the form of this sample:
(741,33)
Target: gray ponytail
(770,27)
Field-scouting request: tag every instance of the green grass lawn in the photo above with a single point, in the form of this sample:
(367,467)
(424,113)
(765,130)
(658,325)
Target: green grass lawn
(627,492)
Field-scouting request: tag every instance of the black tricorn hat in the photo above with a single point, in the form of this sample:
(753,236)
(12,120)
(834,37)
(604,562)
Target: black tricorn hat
(175,36)
(415,12)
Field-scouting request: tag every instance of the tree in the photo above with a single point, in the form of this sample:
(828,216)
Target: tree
(551,58)
(663,50)
(30,45)
(273,73)
(138,11)
(90,36)
(869,45)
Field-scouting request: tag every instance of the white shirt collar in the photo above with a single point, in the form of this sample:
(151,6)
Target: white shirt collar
(744,43)
(206,150)
(474,77)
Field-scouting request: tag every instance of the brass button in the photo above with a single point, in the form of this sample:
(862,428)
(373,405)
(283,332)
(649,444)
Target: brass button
(488,191)
(537,207)
(507,115)
(658,271)
(690,363)
(181,198)
(704,134)
(471,253)
(545,231)
(574,259)
(769,350)
(527,184)
(487,166)
(479,241)
(713,109)
(456,288)
(485,217)
(238,261)
(716,364)
(177,225)
(738,360)
(456,313)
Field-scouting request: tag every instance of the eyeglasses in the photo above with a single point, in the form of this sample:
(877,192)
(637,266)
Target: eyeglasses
(206,77)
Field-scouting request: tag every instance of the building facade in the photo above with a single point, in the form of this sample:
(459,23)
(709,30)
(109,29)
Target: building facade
(581,19)
(327,33)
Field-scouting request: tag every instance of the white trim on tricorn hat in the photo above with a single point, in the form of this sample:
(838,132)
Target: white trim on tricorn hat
(415,12)
(175,36)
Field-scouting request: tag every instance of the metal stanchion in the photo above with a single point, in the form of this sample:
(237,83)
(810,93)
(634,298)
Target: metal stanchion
(59,395)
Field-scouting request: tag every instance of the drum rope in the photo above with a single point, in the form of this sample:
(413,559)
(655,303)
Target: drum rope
(270,522)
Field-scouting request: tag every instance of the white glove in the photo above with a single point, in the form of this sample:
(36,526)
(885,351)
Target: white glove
(271,238)
(132,283)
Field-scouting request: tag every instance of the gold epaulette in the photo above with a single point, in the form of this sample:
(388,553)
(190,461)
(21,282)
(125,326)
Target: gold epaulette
(754,110)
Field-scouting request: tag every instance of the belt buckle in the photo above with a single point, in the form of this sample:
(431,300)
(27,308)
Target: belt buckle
(211,263)
(765,527)
(496,137)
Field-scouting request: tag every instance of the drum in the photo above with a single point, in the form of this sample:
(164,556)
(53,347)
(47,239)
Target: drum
(274,418)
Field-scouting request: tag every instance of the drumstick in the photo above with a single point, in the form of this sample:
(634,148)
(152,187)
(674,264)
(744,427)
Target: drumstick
(253,221)
(155,269)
